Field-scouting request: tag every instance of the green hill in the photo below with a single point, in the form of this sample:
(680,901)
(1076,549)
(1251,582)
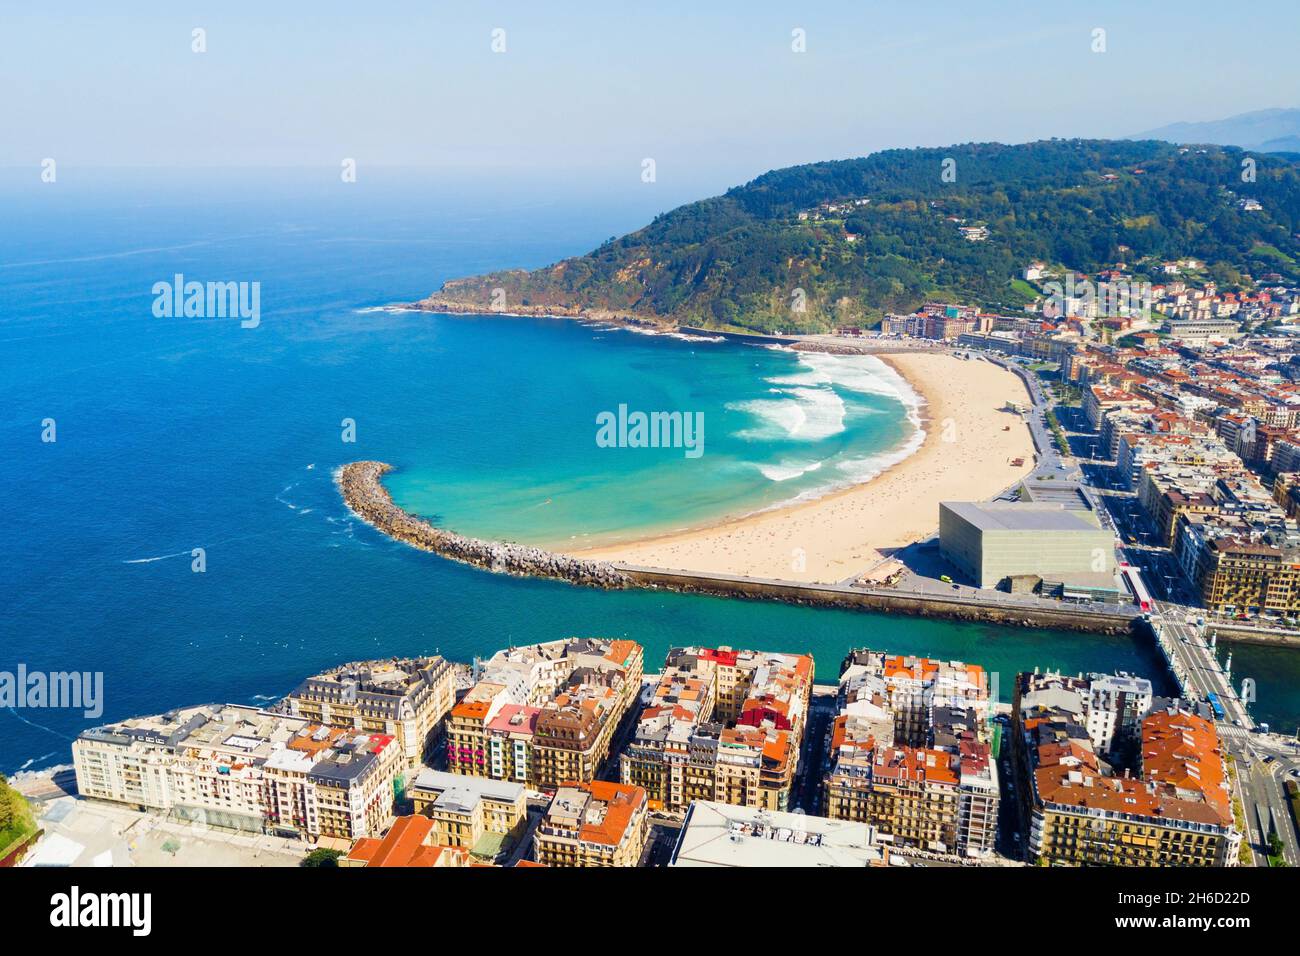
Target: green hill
(16,822)
(736,260)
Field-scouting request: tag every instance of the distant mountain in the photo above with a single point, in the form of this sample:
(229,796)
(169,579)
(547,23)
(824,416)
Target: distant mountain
(1269,131)
(840,243)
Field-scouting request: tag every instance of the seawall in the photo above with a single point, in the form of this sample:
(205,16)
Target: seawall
(361,483)
(1254,635)
(1038,614)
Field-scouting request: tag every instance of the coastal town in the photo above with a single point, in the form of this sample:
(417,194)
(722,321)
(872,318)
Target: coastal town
(569,754)
(647,439)
(1163,492)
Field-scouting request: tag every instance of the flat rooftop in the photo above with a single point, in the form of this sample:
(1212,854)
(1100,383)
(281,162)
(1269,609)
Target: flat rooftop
(1019,516)
(465,788)
(1067,494)
(719,834)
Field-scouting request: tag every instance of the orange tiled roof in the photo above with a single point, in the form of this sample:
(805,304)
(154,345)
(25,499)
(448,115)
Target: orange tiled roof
(621,800)
(471,709)
(620,651)
(405,845)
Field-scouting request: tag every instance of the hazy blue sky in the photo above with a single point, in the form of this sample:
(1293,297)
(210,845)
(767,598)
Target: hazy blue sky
(710,89)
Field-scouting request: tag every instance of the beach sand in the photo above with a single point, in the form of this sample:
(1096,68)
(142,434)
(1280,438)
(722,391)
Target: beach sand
(965,457)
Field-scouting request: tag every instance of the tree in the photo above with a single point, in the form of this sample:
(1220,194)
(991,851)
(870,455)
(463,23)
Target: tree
(322,858)
(6,804)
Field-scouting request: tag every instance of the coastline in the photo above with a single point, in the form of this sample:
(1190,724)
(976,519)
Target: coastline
(846,532)
(460,307)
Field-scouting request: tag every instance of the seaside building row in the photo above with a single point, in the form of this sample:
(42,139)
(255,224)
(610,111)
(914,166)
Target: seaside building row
(911,763)
(325,763)
(1201,420)
(246,769)
(1196,433)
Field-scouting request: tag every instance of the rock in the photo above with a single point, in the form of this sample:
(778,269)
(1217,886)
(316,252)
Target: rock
(361,483)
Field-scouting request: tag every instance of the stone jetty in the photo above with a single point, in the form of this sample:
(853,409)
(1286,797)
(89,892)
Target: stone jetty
(363,489)
(361,483)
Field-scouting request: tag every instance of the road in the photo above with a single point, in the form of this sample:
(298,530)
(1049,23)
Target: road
(806,793)
(1194,663)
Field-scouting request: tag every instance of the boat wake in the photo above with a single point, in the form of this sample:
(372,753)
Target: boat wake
(160,557)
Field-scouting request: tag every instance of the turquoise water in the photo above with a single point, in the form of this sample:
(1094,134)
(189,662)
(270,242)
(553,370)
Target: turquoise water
(504,444)
(176,434)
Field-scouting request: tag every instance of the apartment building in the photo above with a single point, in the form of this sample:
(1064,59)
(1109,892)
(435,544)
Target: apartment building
(242,768)
(404,698)
(721,725)
(907,754)
(1116,705)
(1172,807)
(593,824)
(1137,452)
(671,757)
(1167,494)
(465,810)
(909,688)
(545,714)
(330,782)
(1100,399)
(1251,575)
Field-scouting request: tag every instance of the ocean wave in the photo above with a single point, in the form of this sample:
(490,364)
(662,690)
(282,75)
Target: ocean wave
(806,414)
(849,472)
(812,405)
(864,374)
(858,470)
(785,470)
(666,334)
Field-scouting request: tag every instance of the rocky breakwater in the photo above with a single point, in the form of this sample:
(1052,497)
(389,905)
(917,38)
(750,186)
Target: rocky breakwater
(361,483)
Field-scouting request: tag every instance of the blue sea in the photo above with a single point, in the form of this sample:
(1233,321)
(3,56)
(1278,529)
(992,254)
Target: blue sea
(175,434)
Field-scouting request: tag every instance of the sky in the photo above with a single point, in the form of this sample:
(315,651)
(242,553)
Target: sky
(712,90)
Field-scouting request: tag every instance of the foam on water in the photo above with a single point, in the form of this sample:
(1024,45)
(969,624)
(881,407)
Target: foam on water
(805,414)
(816,400)
(785,470)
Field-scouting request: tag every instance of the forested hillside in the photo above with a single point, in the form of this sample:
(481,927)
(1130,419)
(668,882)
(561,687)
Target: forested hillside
(894,237)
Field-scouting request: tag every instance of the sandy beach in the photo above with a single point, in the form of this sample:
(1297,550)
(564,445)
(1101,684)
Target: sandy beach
(965,456)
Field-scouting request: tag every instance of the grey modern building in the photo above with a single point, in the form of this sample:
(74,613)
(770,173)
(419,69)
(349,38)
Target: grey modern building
(991,542)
